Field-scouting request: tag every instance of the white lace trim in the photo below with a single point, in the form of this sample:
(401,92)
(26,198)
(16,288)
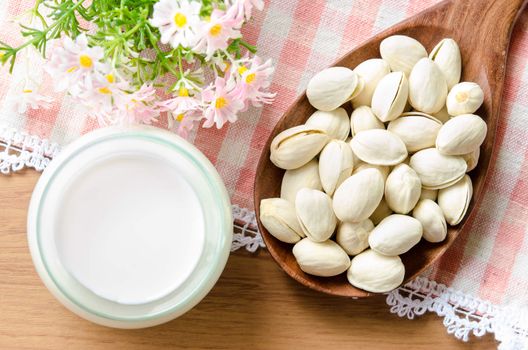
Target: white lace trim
(463,314)
(20,150)
(248,237)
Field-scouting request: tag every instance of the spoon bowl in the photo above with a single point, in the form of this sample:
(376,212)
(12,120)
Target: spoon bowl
(482,29)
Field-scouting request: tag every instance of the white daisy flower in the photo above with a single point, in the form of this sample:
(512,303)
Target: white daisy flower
(178,21)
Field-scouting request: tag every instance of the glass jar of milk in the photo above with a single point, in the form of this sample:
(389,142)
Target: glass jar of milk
(130,227)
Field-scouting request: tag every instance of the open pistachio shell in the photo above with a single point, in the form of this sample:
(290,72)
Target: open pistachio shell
(379,147)
(446,55)
(454,200)
(437,170)
(417,130)
(315,214)
(402,52)
(371,71)
(279,218)
(335,165)
(323,259)
(296,146)
(402,189)
(432,219)
(390,96)
(353,236)
(461,135)
(375,272)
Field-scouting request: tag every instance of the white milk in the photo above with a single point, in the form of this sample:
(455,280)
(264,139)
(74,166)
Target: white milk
(130,229)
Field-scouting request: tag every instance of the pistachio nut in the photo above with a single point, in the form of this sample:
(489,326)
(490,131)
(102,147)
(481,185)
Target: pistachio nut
(363,118)
(381,212)
(357,197)
(437,170)
(279,218)
(335,165)
(446,55)
(379,147)
(464,98)
(427,87)
(295,179)
(390,96)
(417,130)
(335,123)
(402,189)
(332,87)
(353,236)
(442,115)
(375,272)
(384,170)
(454,200)
(461,135)
(395,235)
(296,146)
(432,219)
(429,194)
(315,214)
(323,259)
(402,52)
(371,71)
(472,159)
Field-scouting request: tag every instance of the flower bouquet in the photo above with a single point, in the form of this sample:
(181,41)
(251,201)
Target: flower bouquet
(131,61)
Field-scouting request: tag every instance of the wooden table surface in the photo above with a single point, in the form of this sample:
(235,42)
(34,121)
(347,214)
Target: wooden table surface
(254,305)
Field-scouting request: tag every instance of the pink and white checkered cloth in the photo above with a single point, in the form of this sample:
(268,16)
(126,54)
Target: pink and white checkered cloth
(490,260)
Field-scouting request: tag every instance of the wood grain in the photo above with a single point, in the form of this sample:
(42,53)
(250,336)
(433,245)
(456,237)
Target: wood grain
(254,305)
(482,28)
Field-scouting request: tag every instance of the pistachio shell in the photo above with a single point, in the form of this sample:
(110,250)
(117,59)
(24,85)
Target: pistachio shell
(379,147)
(332,87)
(296,146)
(442,115)
(427,87)
(323,259)
(384,170)
(461,135)
(295,179)
(381,212)
(432,219)
(279,218)
(358,196)
(402,189)
(395,235)
(417,130)
(454,200)
(375,272)
(371,71)
(315,214)
(472,159)
(363,118)
(402,52)
(335,123)
(353,237)
(429,194)
(335,165)
(446,55)
(464,98)
(390,96)
(437,170)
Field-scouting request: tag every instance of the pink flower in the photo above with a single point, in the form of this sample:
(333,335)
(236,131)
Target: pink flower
(130,108)
(216,33)
(243,8)
(186,122)
(104,91)
(222,104)
(184,109)
(30,98)
(177,21)
(255,79)
(73,63)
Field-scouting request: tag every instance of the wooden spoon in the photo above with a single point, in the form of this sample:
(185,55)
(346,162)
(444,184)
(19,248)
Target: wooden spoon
(482,29)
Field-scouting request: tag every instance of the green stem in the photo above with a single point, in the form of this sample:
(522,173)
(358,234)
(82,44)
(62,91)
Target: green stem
(45,31)
(154,41)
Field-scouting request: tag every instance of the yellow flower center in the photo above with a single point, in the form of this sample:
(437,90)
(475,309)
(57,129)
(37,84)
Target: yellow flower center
(242,69)
(180,20)
(179,117)
(183,92)
(110,78)
(85,61)
(72,69)
(462,97)
(215,30)
(250,78)
(220,103)
(27,91)
(105,91)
